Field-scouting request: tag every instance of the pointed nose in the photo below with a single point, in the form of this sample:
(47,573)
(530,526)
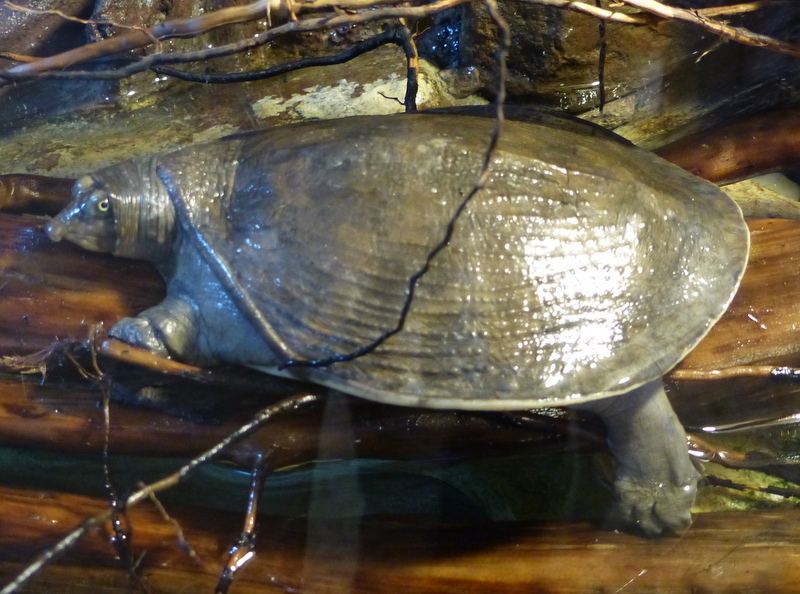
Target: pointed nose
(55,229)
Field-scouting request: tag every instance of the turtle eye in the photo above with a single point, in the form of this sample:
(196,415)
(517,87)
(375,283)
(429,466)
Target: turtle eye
(103,205)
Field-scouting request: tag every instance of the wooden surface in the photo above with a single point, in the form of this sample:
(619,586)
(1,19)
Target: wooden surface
(759,327)
(722,552)
(736,150)
(54,291)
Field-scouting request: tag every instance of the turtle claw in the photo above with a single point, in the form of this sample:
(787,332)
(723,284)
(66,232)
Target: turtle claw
(655,509)
(139,332)
(167,330)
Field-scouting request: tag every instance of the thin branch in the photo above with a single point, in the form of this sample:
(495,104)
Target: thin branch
(34,69)
(738,34)
(787,492)
(243,551)
(592,10)
(139,38)
(74,19)
(63,15)
(766,371)
(17,57)
(719,11)
(390,35)
(602,43)
(184,544)
(406,41)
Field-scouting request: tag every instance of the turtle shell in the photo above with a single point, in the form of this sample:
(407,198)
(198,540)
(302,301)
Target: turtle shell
(582,269)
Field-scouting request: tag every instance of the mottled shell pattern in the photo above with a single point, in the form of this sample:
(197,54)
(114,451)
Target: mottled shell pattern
(584,268)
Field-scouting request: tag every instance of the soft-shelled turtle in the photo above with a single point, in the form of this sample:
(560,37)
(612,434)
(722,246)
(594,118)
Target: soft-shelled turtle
(578,275)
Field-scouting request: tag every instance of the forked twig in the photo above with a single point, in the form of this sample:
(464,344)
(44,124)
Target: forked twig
(243,551)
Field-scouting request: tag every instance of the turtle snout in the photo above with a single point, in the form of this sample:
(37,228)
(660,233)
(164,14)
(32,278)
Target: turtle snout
(87,222)
(55,229)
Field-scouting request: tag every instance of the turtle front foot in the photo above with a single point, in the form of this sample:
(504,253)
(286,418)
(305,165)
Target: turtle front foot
(139,332)
(167,330)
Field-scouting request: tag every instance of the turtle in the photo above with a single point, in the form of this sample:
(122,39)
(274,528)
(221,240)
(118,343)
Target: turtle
(360,254)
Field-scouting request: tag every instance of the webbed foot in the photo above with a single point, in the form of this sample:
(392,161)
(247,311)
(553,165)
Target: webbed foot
(656,480)
(655,508)
(169,329)
(139,332)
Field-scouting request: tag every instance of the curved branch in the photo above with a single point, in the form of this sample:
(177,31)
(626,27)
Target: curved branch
(52,66)
(738,34)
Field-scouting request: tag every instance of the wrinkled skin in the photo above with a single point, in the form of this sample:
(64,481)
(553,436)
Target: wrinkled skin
(214,219)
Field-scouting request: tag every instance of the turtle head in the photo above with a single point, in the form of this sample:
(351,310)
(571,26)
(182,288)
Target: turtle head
(124,209)
(88,220)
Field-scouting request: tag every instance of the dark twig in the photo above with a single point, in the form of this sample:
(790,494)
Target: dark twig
(769,489)
(601,63)
(389,35)
(406,42)
(119,522)
(243,550)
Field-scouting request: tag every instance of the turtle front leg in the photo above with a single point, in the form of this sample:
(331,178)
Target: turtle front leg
(656,481)
(168,329)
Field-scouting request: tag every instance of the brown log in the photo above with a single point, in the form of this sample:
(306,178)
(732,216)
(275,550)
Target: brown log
(759,328)
(722,552)
(69,420)
(34,194)
(737,150)
(54,291)
(760,325)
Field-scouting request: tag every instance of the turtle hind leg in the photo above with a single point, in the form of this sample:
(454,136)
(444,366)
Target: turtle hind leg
(168,329)
(656,480)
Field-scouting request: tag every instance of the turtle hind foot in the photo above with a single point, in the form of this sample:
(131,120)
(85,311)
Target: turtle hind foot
(655,509)
(656,479)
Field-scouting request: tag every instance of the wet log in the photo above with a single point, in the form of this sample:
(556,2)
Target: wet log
(722,552)
(33,194)
(759,328)
(49,293)
(68,419)
(736,150)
